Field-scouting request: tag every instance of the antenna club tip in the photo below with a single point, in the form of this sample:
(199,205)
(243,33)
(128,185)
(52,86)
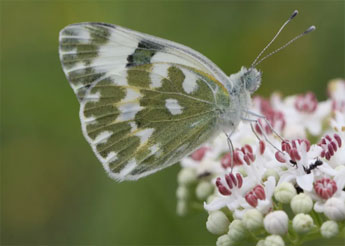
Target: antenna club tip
(310,29)
(293,14)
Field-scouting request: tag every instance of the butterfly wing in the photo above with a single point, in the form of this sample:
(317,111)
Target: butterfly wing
(145,102)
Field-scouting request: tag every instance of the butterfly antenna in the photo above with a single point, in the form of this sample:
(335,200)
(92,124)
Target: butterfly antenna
(310,29)
(274,38)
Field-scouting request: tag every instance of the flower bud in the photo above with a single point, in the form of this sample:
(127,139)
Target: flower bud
(237,230)
(203,190)
(186,176)
(252,219)
(274,240)
(302,223)
(261,243)
(224,240)
(182,193)
(301,203)
(271,172)
(217,223)
(211,198)
(181,208)
(284,192)
(334,209)
(276,222)
(329,229)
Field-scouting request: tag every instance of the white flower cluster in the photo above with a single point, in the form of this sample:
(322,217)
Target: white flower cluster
(277,188)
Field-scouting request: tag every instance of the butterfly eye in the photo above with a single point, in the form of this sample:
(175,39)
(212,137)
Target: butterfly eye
(252,80)
(251,85)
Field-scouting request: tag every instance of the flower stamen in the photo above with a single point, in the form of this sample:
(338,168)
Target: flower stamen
(257,193)
(232,181)
(330,145)
(306,103)
(292,150)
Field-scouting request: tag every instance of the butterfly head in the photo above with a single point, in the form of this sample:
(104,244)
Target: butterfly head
(251,79)
(246,81)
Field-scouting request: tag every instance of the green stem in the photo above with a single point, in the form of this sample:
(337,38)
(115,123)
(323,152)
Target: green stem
(316,217)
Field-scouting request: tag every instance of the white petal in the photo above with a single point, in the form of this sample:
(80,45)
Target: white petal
(238,214)
(314,127)
(286,177)
(306,181)
(270,184)
(235,203)
(315,151)
(264,206)
(340,179)
(327,169)
(216,203)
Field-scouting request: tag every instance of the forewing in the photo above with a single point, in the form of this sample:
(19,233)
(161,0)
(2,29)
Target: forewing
(143,107)
(89,51)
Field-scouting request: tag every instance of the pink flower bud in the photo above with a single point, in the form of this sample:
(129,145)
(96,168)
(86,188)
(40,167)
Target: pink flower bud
(325,188)
(199,154)
(226,161)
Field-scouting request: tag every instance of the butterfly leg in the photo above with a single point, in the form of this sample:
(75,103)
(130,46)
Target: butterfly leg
(267,122)
(231,148)
(262,130)
(253,130)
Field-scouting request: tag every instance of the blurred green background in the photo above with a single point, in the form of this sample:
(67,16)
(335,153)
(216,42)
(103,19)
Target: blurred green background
(53,189)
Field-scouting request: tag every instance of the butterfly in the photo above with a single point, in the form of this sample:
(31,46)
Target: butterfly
(146,102)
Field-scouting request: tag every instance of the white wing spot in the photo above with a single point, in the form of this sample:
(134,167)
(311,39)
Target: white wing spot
(78,66)
(144,134)
(173,106)
(116,51)
(189,83)
(123,39)
(128,168)
(128,111)
(112,156)
(82,34)
(102,137)
(121,79)
(154,148)
(159,71)
(131,95)
(93,97)
(133,126)
(90,120)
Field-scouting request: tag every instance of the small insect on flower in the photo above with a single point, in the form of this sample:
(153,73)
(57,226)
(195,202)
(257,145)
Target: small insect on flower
(147,102)
(312,166)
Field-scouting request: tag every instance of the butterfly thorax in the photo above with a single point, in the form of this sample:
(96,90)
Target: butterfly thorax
(241,86)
